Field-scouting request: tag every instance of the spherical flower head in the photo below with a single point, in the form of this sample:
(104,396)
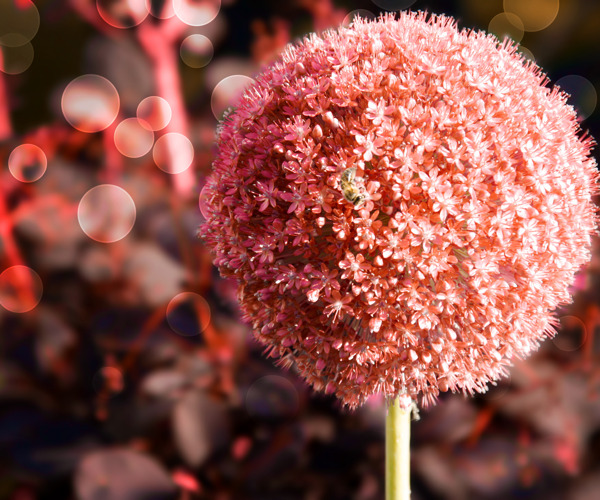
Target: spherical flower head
(403,205)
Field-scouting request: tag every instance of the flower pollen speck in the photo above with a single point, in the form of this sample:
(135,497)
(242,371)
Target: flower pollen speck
(402,205)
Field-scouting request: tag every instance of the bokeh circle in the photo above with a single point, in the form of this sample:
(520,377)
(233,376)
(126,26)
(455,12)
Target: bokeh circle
(27,163)
(204,202)
(173,153)
(188,314)
(21,289)
(154,113)
(123,13)
(133,138)
(227,92)
(582,94)
(508,25)
(526,53)
(16,60)
(196,51)
(535,15)
(362,13)
(106,213)
(90,103)
(272,396)
(196,12)
(19,22)
(572,334)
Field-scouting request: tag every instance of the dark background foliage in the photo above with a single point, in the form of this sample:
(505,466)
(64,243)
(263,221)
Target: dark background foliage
(109,390)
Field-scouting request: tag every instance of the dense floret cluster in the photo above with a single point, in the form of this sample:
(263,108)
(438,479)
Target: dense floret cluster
(441,255)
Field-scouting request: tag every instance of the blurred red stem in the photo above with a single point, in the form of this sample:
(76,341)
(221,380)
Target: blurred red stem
(25,287)
(159,44)
(113,159)
(149,327)
(6,225)
(482,422)
(5,124)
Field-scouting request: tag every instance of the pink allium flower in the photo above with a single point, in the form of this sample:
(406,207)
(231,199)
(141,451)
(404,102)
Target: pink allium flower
(443,257)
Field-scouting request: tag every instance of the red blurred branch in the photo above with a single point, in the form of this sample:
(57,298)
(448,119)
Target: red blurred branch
(24,286)
(5,124)
(112,158)
(11,250)
(158,41)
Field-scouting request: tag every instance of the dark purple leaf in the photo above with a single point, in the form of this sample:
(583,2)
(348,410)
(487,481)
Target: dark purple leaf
(122,474)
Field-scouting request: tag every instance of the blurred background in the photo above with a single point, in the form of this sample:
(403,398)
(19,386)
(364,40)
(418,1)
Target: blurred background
(125,373)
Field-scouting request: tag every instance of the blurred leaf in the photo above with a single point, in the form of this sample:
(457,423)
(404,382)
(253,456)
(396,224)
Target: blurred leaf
(96,264)
(450,421)
(163,383)
(40,442)
(490,468)
(200,425)
(157,277)
(122,474)
(50,225)
(52,342)
(586,488)
(548,400)
(319,428)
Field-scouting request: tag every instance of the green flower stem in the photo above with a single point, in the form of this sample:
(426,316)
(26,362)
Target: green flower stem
(397,452)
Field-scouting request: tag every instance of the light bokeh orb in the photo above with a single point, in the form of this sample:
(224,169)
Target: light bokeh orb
(526,53)
(16,60)
(508,25)
(535,15)
(173,153)
(204,202)
(19,22)
(196,51)
(188,314)
(106,213)
(582,92)
(362,13)
(573,334)
(21,289)
(227,92)
(196,12)
(123,13)
(154,113)
(27,163)
(133,138)
(90,103)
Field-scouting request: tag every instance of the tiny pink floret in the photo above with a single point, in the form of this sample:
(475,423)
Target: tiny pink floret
(475,213)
